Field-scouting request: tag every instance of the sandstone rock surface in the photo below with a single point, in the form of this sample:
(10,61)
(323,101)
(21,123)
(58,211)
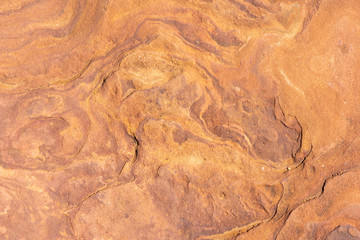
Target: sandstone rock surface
(201,119)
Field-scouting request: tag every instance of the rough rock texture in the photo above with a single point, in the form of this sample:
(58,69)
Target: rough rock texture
(201,119)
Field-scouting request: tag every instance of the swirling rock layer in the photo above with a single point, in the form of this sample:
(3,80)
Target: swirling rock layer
(202,119)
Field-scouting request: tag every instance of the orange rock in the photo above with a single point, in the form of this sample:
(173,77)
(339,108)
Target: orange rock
(203,119)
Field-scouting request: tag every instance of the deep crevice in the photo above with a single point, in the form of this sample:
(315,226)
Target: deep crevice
(288,213)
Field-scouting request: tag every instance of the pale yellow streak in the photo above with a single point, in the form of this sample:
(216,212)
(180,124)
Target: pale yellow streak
(291,84)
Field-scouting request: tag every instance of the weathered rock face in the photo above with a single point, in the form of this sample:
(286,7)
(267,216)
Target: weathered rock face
(202,119)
